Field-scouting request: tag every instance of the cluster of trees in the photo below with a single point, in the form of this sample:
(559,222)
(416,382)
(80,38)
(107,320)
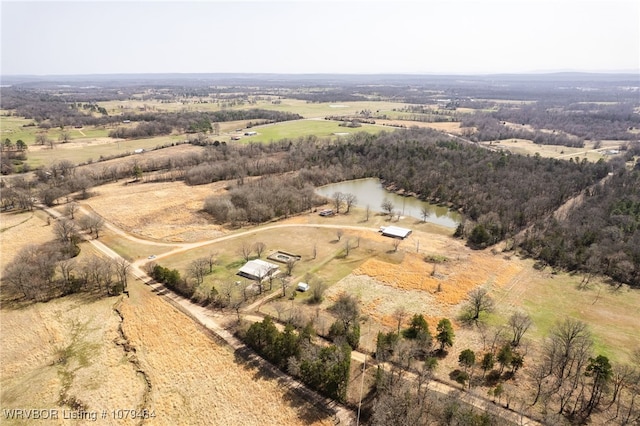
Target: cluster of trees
(570,380)
(414,342)
(601,235)
(12,157)
(585,120)
(403,399)
(162,123)
(262,200)
(42,272)
(488,128)
(324,368)
(172,279)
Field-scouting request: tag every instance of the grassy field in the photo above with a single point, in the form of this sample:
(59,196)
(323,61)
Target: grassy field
(87,150)
(300,128)
(323,109)
(527,147)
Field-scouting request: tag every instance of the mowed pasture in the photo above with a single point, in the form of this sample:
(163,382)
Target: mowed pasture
(302,128)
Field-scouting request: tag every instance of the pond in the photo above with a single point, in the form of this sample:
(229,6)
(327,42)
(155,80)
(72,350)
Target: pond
(370,192)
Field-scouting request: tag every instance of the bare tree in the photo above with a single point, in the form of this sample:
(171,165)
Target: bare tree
(70,209)
(519,323)
(350,200)
(347,247)
(245,251)
(64,136)
(198,269)
(66,267)
(479,301)
(226,290)
(291,263)
(280,307)
(387,207)
(211,259)
(318,288)
(122,267)
(315,250)
(424,212)
(338,199)
(92,223)
(399,314)
(42,139)
(367,212)
(65,230)
(259,248)
(339,234)
(284,282)
(396,243)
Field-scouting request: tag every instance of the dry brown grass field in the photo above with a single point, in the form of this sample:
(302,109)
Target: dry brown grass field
(21,228)
(451,127)
(161,211)
(527,147)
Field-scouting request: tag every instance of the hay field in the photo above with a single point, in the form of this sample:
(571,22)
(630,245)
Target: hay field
(164,211)
(301,128)
(198,381)
(91,149)
(65,350)
(19,229)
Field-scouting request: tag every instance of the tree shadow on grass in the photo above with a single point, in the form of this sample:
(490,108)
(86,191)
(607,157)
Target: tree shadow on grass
(309,407)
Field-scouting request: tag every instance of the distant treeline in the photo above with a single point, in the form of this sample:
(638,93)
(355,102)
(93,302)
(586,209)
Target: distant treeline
(49,110)
(556,124)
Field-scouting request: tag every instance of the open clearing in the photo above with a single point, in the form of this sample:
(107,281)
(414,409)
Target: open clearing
(301,128)
(527,147)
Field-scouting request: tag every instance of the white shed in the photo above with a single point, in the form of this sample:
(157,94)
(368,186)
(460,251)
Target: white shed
(303,287)
(395,232)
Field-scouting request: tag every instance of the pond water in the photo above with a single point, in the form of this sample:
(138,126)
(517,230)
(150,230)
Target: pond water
(370,192)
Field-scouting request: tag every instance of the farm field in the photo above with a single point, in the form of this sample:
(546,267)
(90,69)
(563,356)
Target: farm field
(526,147)
(88,150)
(323,109)
(301,128)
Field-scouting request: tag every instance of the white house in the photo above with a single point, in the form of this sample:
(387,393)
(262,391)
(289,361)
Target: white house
(258,270)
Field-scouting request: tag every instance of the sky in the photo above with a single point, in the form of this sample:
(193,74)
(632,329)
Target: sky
(329,36)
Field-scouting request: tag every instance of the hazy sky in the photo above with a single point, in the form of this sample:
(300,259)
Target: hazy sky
(384,36)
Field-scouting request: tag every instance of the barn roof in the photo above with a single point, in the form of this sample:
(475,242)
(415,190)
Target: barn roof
(395,231)
(257,268)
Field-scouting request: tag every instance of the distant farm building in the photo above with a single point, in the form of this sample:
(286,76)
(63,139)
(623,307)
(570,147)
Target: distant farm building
(250,133)
(303,287)
(327,212)
(395,231)
(258,270)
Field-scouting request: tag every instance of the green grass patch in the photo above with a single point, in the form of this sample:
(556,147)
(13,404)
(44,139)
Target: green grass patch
(300,128)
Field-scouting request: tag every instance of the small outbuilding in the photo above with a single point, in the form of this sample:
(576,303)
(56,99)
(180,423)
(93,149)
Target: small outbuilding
(303,287)
(395,232)
(258,270)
